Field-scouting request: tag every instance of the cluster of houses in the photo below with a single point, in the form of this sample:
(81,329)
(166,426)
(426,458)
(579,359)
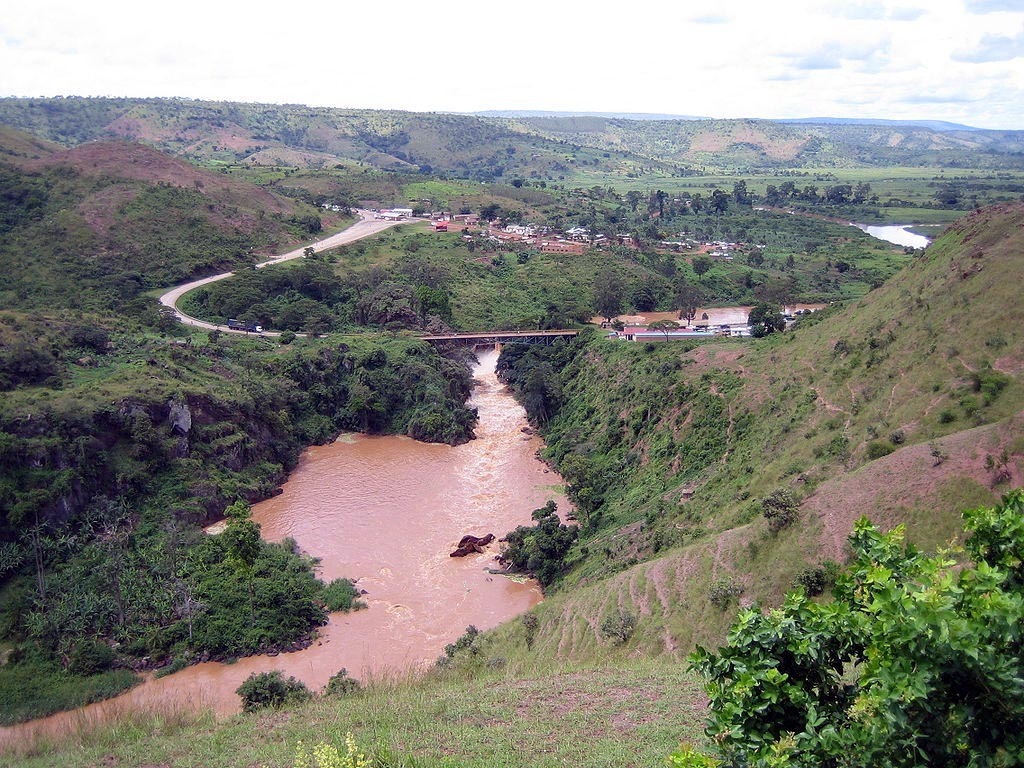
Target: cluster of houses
(702,328)
(646,333)
(722,250)
(574,240)
(393,214)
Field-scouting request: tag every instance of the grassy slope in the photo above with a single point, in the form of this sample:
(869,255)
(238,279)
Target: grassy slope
(109,219)
(534,712)
(911,349)
(633,714)
(549,147)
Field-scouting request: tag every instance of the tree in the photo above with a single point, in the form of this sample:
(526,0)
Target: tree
(916,662)
(740,193)
(764,319)
(608,291)
(242,534)
(645,297)
(687,300)
(719,201)
(664,326)
(701,264)
(541,548)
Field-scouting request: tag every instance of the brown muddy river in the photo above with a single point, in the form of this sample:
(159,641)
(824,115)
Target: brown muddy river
(386,511)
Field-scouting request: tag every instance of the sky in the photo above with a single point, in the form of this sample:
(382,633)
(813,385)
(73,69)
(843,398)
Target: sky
(955,60)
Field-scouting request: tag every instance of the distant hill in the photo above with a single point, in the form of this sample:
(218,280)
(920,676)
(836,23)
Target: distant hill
(934,125)
(775,144)
(99,223)
(614,115)
(488,148)
(314,137)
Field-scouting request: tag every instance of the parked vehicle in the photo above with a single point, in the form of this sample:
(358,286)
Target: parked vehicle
(238,325)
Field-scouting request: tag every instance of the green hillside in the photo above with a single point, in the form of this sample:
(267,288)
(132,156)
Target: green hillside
(705,475)
(97,225)
(905,406)
(298,136)
(494,147)
(767,144)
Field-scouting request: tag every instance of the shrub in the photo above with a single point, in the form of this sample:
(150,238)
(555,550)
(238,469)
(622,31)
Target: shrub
(917,662)
(817,579)
(530,625)
(177,664)
(341,595)
(688,757)
(90,657)
(779,508)
(341,684)
(541,549)
(989,383)
(619,626)
(286,337)
(722,592)
(467,642)
(879,448)
(946,416)
(270,689)
(329,756)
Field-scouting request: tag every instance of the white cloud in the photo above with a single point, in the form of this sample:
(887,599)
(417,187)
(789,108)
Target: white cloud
(751,59)
(711,18)
(994,6)
(993,48)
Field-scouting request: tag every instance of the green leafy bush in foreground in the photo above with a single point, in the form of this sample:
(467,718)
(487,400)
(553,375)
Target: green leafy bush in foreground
(916,662)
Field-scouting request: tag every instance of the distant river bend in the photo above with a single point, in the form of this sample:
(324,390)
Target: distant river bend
(896,234)
(386,511)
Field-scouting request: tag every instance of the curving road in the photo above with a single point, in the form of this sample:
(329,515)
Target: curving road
(366,226)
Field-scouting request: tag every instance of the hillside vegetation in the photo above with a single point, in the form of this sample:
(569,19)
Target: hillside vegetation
(765,143)
(704,476)
(95,226)
(905,406)
(493,147)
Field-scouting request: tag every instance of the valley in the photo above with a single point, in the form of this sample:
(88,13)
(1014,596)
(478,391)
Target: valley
(694,478)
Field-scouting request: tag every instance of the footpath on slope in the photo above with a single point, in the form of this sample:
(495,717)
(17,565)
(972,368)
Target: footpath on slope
(365,227)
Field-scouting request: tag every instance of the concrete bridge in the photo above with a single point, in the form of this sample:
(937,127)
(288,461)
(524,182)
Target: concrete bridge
(501,337)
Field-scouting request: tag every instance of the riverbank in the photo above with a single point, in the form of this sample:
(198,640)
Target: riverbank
(630,712)
(386,511)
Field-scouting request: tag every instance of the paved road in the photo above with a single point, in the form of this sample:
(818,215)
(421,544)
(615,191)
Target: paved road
(366,226)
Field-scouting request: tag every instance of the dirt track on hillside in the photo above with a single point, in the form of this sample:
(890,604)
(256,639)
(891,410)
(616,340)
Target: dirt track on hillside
(365,227)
